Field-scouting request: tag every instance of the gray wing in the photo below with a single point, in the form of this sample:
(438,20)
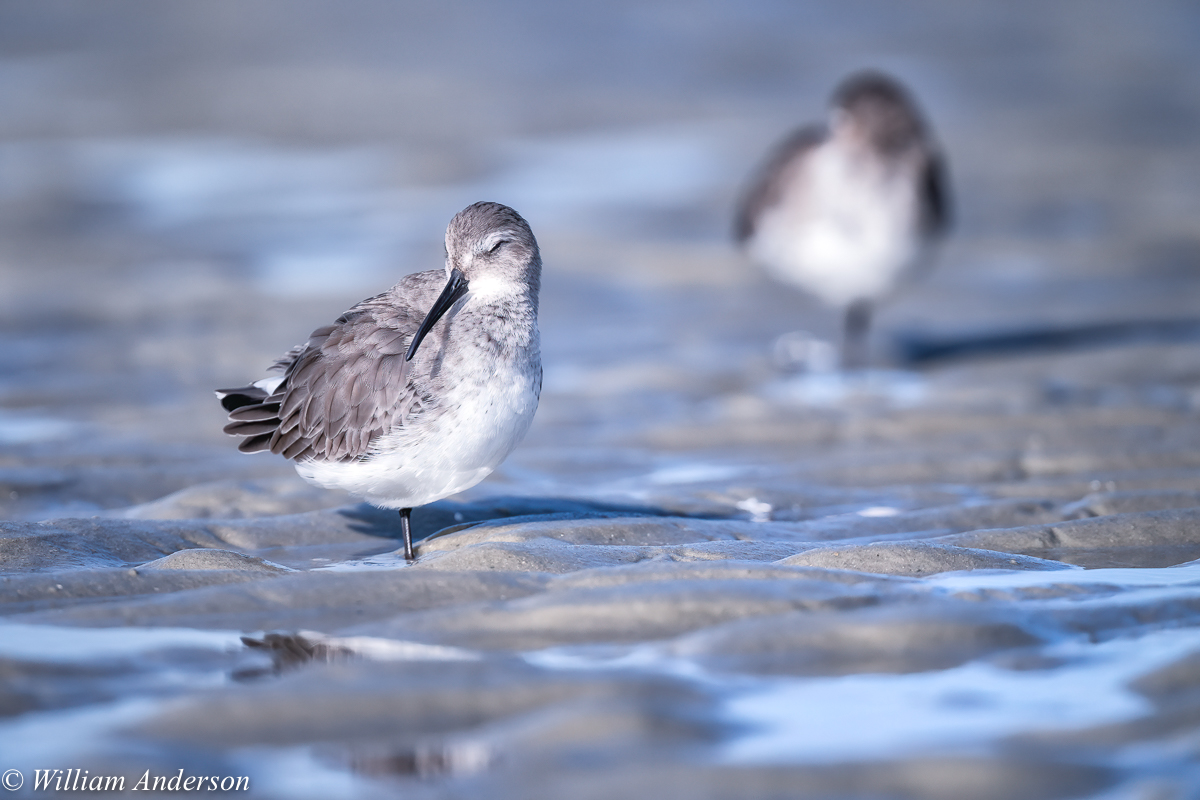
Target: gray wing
(768,182)
(935,196)
(344,388)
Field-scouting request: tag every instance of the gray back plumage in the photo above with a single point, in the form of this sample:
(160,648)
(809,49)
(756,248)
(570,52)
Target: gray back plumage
(350,383)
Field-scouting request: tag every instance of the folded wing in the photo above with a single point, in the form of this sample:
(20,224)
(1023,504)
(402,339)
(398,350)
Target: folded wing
(341,391)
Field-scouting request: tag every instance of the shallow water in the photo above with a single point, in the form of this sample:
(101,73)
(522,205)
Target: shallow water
(715,567)
(963,709)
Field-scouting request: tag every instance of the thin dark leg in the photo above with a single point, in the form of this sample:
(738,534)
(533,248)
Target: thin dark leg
(406,527)
(854,334)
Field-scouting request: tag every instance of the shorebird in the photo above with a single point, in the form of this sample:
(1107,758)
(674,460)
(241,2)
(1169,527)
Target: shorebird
(849,210)
(417,393)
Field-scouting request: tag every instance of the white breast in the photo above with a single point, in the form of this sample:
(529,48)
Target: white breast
(448,449)
(844,230)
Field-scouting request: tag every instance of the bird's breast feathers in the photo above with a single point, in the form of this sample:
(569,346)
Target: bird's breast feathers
(441,453)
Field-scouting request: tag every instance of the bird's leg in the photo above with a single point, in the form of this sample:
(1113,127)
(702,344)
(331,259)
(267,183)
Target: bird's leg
(406,527)
(854,335)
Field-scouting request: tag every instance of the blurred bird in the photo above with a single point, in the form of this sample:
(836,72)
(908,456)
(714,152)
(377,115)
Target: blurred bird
(413,395)
(849,210)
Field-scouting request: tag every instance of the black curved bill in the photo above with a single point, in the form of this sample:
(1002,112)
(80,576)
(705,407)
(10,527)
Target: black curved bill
(456,287)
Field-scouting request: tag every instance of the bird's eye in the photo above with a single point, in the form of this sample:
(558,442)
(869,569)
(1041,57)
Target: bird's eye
(496,247)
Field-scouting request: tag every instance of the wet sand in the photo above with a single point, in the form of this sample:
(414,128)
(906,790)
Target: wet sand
(970,572)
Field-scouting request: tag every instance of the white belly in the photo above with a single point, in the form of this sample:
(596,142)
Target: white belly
(844,233)
(451,447)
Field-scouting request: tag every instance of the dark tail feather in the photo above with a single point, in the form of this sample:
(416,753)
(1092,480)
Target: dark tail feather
(251,428)
(250,417)
(255,443)
(255,413)
(233,399)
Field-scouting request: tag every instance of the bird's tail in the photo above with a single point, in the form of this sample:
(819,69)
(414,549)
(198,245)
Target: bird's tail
(253,413)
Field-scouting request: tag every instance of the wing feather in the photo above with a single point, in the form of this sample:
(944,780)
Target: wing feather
(256,412)
(345,387)
(255,443)
(936,196)
(767,186)
(251,428)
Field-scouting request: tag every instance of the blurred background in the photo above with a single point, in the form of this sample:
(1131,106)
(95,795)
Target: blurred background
(186,190)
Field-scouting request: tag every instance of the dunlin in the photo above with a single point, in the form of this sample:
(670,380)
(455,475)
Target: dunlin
(417,393)
(849,210)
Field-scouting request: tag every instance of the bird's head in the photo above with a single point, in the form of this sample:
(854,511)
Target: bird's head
(875,110)
(491,254)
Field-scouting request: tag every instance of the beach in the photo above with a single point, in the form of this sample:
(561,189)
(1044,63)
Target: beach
(709,570)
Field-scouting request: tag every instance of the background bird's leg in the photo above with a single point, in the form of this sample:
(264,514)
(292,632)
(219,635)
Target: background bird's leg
(854,335)
(406,527)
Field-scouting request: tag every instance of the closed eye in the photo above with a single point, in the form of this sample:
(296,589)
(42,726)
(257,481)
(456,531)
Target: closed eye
(497,245)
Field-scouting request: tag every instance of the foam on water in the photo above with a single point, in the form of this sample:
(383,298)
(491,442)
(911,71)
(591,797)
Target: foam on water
(759,510)
(878,511)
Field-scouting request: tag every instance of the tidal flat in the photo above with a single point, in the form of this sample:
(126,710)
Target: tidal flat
(710,570)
